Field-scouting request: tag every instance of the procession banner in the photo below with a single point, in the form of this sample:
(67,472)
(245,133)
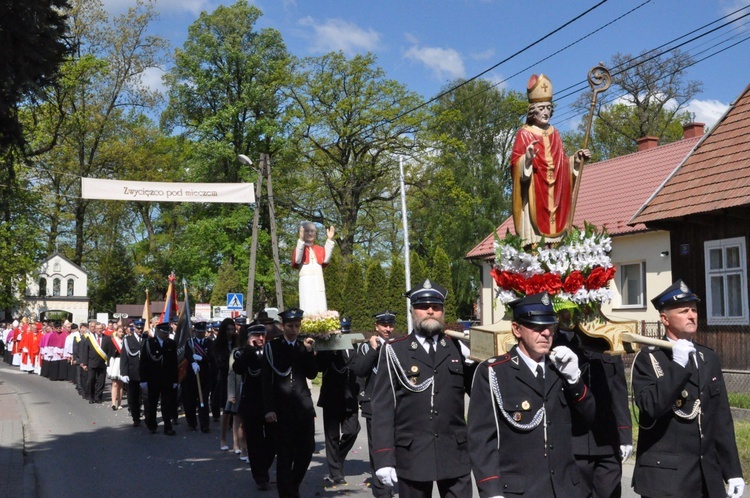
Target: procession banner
(123,190)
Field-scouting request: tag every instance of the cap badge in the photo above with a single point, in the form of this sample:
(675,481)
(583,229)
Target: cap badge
(427,284)
(683,287)
(545,300)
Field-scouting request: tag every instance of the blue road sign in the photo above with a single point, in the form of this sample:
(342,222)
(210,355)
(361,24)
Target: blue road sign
(235,302)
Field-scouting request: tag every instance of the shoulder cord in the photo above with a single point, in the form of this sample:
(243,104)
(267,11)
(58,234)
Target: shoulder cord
(160,359)
(269,359)
(127,349)
(395,366)
(495,390)
(696,411)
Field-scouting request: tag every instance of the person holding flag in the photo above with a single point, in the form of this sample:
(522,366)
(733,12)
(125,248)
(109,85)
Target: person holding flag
(158,373)
(197,382)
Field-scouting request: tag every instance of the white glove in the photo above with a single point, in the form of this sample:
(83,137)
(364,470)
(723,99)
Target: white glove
(735,488)
(144,385)
(625,451)
(681,351)
(174,386)
(196,367)
(387,476)
(125,378)
(566,362)
(197,357)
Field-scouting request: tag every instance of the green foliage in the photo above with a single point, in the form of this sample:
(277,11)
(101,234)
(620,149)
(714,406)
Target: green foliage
(335,278)
(417,269)
(376,283)
(227,281)
(111,278)
(441,274)
(347,123)
(355,304)
(396,288)
(739,400)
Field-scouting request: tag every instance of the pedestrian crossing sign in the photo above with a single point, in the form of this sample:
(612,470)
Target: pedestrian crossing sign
(234,302)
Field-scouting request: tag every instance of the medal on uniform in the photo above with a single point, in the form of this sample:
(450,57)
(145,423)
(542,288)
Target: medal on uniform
(414,369)
(684,393)
(517,416)
(525,405)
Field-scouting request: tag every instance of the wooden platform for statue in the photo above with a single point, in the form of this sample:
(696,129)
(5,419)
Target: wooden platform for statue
(339,342)
(600,334)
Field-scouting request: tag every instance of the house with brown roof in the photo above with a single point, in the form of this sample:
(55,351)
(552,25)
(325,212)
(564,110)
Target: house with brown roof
(611,192)
(704,204)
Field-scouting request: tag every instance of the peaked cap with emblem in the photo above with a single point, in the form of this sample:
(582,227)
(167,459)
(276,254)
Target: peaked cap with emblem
(427,293)
(291,315)
(200,326)
(676,293)
(535,309)
(240,320)
(139,323)
(386,316)
(163,327)
(257,328)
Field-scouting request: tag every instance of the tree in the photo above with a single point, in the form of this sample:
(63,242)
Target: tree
(396,288)
(32,47)
(355,306)
(441,274)
(335,279)
(376,283)
(418,269)
(651,91)
(348,122)
(227,281)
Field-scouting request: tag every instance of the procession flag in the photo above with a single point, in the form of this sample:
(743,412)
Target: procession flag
(147,315)
(170,303)
(184,333)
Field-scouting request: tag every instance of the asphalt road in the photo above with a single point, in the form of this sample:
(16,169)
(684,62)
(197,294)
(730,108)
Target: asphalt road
(80,450)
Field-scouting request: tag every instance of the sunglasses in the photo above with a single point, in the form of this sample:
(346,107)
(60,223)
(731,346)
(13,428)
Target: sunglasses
(426,306)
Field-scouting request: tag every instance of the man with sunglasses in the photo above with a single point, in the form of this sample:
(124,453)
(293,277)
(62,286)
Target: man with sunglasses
(519,424)
(418,422)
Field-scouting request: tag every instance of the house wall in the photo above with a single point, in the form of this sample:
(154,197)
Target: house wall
(645,248)
(57,267)
(731,342)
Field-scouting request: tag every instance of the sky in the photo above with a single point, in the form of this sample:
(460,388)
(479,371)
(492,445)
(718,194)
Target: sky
(426,44)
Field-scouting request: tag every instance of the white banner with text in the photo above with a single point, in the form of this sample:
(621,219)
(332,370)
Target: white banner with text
(123,190)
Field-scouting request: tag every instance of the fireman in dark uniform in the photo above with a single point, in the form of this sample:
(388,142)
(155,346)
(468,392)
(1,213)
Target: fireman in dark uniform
(686,443)
(520,434)
(158,372)
(199,368)
(418,416)
(290,362)
(259,434)
(365,367)
(338,398)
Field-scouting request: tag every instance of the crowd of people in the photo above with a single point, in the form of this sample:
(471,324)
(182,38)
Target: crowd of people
(549,418)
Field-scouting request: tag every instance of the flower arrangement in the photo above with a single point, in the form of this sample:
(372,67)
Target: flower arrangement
(322,326)
(575,271)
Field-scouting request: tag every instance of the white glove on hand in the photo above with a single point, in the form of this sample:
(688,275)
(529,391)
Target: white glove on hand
(197,357)
(625,451)
(144,385)
(196,367)
(387,476)
(681,351)
(566,362)
(735,488)
(125,378)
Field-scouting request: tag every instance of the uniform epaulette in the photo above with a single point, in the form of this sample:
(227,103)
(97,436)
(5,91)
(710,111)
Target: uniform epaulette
(498,360)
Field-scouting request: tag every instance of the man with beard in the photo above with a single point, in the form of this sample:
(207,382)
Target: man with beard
(419,429)
(520,429)
(365,366)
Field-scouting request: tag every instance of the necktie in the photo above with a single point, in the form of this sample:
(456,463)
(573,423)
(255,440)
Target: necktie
(691,366)
(540,376)
(431,345)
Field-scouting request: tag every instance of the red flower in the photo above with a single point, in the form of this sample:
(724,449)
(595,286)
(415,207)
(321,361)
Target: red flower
(509,280)
(573,282)
(535,284)
(599,277)
(552,283)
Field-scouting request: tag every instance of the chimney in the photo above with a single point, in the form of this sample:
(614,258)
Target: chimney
(646,143)
(692,130)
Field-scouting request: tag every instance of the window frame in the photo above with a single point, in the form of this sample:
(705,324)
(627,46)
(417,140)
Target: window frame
(723,244)
(621,285)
